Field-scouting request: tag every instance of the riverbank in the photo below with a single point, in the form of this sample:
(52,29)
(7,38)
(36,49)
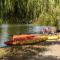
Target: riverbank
(49,50)
(34,52)
(19,52)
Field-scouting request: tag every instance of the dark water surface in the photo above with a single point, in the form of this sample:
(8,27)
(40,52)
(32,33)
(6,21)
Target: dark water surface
(6,30)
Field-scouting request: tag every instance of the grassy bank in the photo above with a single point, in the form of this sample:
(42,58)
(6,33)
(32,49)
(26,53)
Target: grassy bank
(20,52)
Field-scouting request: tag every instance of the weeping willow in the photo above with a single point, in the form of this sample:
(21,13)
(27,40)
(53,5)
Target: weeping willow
(43,12)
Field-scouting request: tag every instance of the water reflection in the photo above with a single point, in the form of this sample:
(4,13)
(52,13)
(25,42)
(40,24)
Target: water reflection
(4,34)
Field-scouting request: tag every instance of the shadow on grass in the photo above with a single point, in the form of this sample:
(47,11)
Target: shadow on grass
(28,52)
(46,58)
(23,52)
(48,43)
(31,58)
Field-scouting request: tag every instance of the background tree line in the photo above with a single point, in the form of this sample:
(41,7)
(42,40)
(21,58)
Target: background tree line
(40,12)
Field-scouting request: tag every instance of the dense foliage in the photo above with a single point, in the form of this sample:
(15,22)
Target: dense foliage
(41,12)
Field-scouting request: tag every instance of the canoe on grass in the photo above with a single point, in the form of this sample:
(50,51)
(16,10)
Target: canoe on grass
(25,39)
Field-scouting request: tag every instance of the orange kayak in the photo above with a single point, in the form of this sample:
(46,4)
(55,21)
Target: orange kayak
(24,39)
